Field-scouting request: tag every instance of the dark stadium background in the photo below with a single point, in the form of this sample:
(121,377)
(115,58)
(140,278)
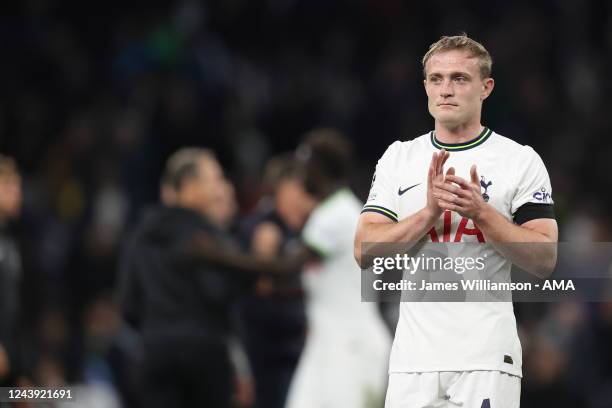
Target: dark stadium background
(95,95)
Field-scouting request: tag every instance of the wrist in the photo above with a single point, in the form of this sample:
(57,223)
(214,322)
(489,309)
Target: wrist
(483,216)
(430,216)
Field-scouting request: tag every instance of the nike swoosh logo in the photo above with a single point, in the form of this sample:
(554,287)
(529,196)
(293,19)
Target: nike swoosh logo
(400,191)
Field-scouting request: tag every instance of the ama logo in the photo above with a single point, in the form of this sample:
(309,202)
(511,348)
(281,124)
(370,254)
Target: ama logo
(542,195)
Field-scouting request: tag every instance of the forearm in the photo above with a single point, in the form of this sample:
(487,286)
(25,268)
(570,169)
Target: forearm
(533,251)
(409,230)
(251,265)
(206,251)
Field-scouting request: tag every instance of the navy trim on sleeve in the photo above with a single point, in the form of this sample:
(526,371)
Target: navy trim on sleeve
(380,210)
(533,211)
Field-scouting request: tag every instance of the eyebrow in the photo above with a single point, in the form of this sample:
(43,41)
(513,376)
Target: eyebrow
(453,74)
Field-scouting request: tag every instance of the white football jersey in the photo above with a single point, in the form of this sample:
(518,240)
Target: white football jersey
(333,286)
(444,336)
(345,360)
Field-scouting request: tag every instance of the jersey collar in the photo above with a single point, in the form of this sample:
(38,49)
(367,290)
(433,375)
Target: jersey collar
(455,147)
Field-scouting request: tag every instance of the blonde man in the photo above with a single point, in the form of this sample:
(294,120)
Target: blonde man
(494,191)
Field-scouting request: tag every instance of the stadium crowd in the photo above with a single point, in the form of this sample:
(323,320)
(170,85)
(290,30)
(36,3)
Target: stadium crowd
(97,96)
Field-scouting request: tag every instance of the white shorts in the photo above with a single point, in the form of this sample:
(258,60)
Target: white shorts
(446,389)
(341,368)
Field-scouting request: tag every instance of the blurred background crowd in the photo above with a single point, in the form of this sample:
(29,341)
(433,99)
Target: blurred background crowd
(96,95)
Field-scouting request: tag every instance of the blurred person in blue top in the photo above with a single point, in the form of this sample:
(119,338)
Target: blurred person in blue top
(273,315)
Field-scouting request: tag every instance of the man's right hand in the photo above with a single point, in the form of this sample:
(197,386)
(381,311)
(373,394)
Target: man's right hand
(377,228)
(436,173)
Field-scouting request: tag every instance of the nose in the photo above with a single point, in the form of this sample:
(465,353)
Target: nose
(446,90)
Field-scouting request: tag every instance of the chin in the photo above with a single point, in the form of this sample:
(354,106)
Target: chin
(448,120)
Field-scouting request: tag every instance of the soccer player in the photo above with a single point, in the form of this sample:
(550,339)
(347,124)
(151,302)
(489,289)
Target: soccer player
(495,191)
(345,358)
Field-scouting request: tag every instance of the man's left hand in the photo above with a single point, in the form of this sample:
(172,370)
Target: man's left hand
(462,196)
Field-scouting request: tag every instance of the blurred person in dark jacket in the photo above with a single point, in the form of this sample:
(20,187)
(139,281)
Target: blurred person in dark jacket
(181,306)
(274,316)
(10,270)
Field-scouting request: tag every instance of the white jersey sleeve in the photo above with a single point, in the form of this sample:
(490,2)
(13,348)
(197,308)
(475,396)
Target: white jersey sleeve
(383,197)
(322,232)
(320,235)
(533,196)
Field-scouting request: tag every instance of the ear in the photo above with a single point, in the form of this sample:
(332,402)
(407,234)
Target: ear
(487,87)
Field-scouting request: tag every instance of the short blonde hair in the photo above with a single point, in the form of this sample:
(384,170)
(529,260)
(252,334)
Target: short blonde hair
(462,42)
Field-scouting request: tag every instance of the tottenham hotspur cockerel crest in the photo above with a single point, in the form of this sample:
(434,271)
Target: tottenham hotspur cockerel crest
(485,184)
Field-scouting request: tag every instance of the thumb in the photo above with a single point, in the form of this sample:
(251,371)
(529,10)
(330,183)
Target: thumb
(450,171)
(474,174)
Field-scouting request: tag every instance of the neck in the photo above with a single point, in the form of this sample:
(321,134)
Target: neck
(459,133)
